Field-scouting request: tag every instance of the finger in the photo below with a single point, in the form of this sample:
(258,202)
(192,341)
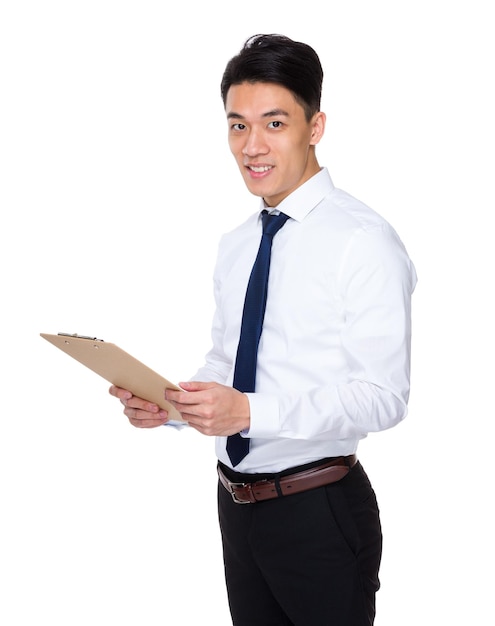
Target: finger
(186,398)
(202,426)
(147,423)
(142,405)
(145,419)
(196,385)
(118,392)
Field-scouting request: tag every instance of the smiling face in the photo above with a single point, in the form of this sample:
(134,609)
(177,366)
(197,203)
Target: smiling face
(271,139)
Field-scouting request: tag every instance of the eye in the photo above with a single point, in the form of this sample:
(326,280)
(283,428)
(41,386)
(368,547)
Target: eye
(238,127)
(275,124)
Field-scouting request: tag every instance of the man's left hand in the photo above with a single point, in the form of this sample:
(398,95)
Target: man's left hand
(210,408)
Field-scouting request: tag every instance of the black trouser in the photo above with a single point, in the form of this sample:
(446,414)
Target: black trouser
(308,559)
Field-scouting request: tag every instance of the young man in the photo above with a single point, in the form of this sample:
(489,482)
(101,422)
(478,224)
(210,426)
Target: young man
(299,520)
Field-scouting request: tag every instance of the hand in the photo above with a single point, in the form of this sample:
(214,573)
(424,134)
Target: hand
(140,413)
(210,408)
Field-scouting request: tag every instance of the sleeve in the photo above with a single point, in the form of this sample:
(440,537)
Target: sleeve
(376,280)
(217,366)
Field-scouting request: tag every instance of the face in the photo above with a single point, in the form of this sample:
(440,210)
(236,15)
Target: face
(271,140)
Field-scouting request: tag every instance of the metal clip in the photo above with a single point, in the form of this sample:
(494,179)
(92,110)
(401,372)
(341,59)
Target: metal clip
(76,336)
(234,495)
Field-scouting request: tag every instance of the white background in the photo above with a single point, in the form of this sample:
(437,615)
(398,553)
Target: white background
(116,183)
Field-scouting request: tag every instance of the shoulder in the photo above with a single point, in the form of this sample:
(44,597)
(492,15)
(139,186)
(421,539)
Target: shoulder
(364,240)
(340,220)
(351,213)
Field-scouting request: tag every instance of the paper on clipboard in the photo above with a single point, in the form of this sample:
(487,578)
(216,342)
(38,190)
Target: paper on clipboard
(117,367)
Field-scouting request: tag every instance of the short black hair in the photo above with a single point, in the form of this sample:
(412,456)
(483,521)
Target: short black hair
(278,59)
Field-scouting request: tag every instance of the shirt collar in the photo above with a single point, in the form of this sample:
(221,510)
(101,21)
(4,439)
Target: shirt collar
(304,199)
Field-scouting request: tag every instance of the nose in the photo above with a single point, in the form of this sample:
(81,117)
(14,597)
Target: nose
(255,144)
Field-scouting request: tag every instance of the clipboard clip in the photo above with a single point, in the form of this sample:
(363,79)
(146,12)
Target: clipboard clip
(76,336)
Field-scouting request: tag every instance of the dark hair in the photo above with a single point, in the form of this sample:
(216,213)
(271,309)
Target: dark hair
(278,59)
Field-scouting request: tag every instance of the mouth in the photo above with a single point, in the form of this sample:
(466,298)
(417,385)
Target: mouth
(259,170)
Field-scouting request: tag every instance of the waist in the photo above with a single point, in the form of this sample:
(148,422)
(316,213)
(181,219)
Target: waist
(251,488)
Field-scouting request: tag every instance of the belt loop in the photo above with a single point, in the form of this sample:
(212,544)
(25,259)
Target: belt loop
(350,460)
(278,487)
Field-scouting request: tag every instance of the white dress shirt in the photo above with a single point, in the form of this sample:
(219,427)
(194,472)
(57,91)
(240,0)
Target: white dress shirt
(334,354)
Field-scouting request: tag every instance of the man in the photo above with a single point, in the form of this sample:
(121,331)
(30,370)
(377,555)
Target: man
(299,520)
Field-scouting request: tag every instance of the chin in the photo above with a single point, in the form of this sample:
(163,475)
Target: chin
(261,191)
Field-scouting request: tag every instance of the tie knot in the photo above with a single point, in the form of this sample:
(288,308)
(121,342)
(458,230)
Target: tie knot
(273,223)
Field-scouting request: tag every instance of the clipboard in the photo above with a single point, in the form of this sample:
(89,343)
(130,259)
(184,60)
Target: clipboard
(117,367)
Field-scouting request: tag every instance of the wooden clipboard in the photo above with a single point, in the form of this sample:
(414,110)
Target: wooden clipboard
(117,367)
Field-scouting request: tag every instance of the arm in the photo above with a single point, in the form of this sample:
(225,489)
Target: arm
(211,406)
(368,390)
(370,387)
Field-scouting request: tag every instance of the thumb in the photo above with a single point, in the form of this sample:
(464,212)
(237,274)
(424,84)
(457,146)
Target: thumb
(196,385)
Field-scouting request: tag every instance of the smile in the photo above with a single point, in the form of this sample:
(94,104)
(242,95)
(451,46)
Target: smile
(259,169)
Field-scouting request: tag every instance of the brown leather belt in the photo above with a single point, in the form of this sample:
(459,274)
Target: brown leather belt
(329,472)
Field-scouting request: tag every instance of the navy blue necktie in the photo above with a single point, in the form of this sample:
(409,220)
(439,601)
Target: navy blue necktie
(252,323)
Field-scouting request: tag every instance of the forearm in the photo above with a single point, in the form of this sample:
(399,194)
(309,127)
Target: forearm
(343,411)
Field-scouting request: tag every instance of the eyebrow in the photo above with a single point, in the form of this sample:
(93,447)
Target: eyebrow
(272,113)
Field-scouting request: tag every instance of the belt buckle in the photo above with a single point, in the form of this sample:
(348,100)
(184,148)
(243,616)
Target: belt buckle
(234,495)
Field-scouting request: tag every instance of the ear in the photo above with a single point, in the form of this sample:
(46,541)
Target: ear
(318,127)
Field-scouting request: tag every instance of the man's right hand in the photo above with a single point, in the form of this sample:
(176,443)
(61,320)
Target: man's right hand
(139,412)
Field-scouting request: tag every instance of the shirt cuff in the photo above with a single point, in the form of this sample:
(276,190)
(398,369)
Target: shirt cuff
(176,424)
(264,416)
